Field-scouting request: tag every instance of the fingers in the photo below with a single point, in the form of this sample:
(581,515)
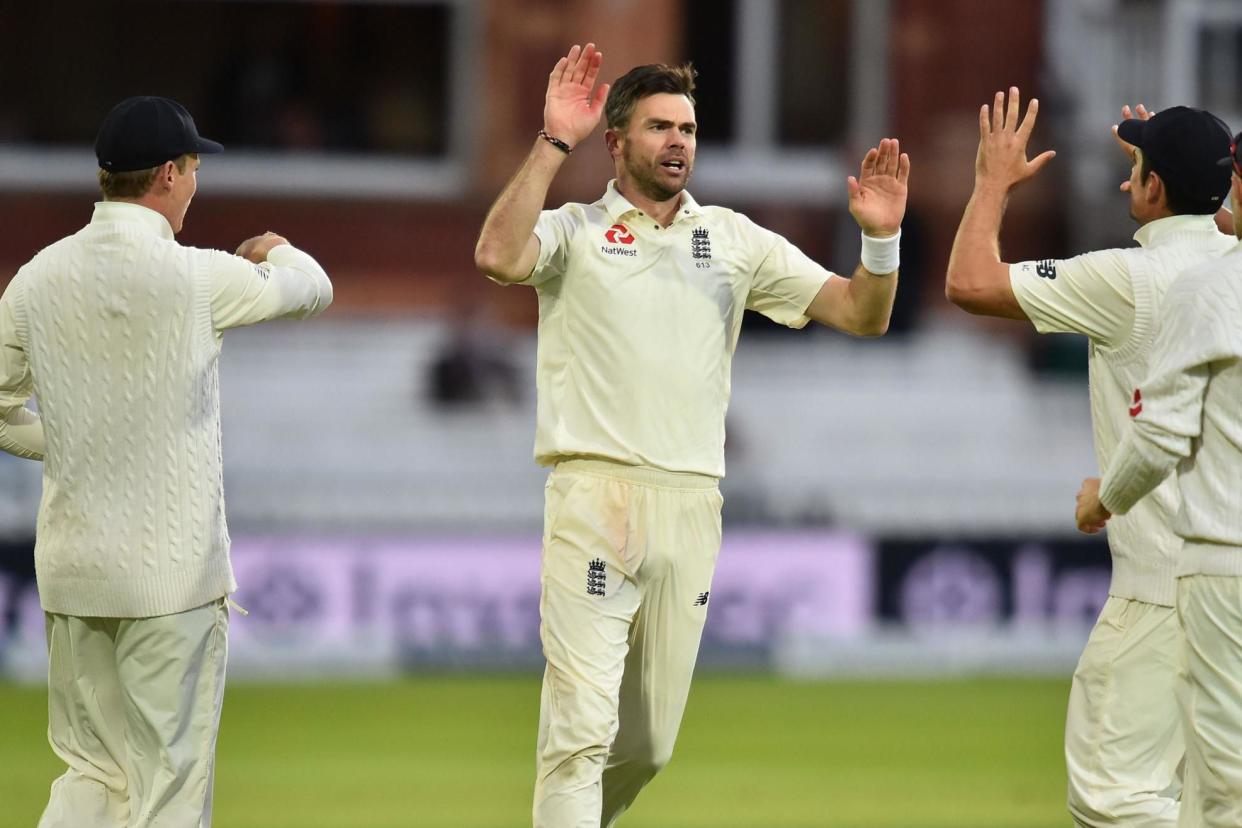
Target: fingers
(985,122)
(1126,113)
(1144,113)
(1028,123)
(885,162)
(1125,145)
(599,98)
(851,185)
(998,112)
(869,163)
(1038,162)
(558,71)
(1011,112)
(583,64)
(592,69)
(565,67)
(890,156)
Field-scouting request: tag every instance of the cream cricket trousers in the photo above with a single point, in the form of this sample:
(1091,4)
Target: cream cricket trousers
(133,710)
(628,557)
(1210,609)
(1123,735)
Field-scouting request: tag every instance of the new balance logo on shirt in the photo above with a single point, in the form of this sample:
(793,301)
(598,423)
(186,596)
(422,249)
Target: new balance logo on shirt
(701,601)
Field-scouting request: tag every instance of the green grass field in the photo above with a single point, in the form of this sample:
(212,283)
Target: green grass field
(457,752)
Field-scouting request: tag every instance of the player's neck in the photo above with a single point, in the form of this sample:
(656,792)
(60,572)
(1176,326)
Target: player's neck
(662,211)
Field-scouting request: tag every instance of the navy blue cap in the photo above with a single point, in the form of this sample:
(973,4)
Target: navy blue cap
(1185,146)
(144,132)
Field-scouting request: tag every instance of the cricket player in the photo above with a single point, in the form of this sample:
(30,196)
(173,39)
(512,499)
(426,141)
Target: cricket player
(117,331)
(641,295)
(1186,416)
(1123,743)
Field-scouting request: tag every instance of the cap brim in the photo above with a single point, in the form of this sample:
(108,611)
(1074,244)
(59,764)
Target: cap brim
(206,146)
(1132,131)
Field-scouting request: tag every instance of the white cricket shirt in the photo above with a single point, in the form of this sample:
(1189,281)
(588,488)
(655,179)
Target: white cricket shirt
(638,324)
(117,330)
(1191,417)
(1113,297)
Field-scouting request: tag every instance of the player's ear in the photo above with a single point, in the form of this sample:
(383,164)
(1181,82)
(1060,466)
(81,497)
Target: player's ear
(1156,193)
(612,140)
(166,176)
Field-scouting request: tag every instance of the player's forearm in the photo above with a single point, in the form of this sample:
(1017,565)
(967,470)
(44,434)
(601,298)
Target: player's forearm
(502,244)
(313,293)
(1138,467)
(871,299)
(975,267)
(21,433)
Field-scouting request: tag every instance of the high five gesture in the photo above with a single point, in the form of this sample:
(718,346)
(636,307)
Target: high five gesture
(573,105)
(508,248)
(878,195)
(1003,137)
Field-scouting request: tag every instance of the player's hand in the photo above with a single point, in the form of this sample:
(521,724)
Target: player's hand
(257,248)
(878,195)
(1090,515)
(1003,137)
(1142,113)
(574,104)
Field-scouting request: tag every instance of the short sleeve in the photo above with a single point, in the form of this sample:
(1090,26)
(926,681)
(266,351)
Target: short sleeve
(555,231)
(1089,294)
(785,281)
(289,285)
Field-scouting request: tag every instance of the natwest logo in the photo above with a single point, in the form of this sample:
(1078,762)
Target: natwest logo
(619,234)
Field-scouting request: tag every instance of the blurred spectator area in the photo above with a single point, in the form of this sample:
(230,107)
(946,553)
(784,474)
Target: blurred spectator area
(376,132)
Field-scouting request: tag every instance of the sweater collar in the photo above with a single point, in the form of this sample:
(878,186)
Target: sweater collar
(128,213)
(1160,231)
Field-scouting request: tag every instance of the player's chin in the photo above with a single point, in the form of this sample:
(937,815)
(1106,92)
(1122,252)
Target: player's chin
(671,185)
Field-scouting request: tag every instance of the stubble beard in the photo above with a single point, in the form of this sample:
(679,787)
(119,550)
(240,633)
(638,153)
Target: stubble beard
(644,173)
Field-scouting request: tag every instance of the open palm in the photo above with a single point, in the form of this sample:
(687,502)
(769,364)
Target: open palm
(878,195)
(573,105)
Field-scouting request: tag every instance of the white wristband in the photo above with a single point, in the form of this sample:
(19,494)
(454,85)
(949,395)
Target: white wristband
(881,255)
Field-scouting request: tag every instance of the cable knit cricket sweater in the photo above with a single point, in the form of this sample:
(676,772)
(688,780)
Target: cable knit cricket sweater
(121,327)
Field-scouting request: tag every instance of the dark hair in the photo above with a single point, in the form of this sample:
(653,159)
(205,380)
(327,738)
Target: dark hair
(644,81)
(1179,203)
(136,183)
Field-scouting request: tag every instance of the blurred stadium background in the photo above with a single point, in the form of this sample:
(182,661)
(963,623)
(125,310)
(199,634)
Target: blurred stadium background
(901,596)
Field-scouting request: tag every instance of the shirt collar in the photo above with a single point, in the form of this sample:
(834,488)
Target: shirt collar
(618,206)
(130,213)
(1158,232)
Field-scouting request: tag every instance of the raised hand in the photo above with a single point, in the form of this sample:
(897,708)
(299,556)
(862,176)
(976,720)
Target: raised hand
(1090,514)
(256,249)
(573,105)
(1142,113)
(1003,137)
(878,195)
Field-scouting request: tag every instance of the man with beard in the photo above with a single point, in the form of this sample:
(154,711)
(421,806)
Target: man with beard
(640,303)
